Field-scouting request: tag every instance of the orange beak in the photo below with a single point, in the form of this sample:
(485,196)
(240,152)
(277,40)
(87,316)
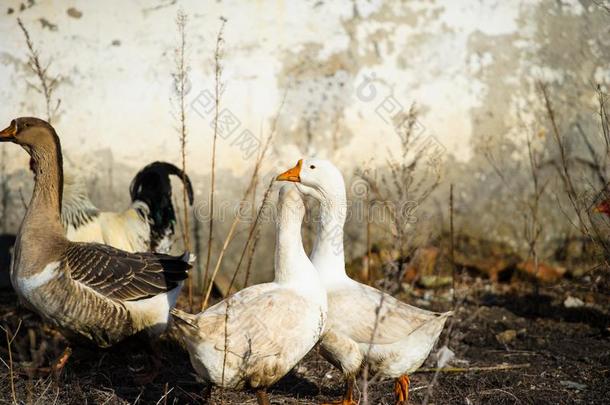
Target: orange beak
(8,133)
(293,174)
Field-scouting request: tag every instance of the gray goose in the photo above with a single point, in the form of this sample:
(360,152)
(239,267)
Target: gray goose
(90,290)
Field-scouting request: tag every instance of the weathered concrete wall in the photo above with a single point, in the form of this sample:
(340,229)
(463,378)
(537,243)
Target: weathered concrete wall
(345,68)
(465,63)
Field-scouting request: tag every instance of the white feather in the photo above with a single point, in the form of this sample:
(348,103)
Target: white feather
(153,313)
(26,285)
(128,230)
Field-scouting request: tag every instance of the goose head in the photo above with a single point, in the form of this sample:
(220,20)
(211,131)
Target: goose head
(34,135)
(317,178)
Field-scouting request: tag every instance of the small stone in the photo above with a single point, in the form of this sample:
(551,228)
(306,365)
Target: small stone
(435,281)
(444,355)
(507,336)
(573,302)
(116,42)
(422,303)
(74,13)
(573,385)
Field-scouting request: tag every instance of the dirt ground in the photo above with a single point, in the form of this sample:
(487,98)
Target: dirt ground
(511,347)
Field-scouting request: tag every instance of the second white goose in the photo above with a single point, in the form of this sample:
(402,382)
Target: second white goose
(364,324)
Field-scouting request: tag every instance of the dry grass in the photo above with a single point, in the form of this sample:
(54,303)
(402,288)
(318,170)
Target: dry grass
(250,189)
(573,189)
(181,80)
(218,90)
(560,345)
(4,191)
(48,84)
(401,193)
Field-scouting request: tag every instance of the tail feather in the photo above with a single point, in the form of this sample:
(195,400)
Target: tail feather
(184,317)
(176,268)
(182,327)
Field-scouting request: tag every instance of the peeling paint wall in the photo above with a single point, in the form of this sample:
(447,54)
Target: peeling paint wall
(454,59)
(344,68)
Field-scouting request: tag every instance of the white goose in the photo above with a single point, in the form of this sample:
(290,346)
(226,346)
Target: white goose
(364,324)
(256,336)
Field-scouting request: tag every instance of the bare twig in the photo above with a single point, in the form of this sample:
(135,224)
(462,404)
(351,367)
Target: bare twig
(249,189)
(217,93)
(402,191)
(4,189)
(165,394)
(225,348)
(9,342)
(499,367)
(603,4)
(365,371)
(48,84)
(181,82)
(253,245)
(533,228)
(583,214)
(250,234)
(452,242)
(456,306)
(251,257)
(225,245)
(564,171)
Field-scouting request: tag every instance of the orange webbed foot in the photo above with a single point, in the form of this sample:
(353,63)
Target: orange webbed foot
(59,364)
(348,396)
(401,390)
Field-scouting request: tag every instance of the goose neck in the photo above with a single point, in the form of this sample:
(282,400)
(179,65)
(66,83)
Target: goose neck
(291,262)
(44,210)
(328,254)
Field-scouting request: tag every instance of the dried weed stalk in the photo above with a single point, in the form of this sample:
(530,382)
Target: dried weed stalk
(532,224)
(581,207)
(48,84)
(401,192)
(250,189)
(181,79)
(218,90)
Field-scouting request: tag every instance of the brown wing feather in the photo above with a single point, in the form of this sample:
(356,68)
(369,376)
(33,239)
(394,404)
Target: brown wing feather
(122,275)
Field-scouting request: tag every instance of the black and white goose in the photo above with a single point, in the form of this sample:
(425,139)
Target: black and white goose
(147,225)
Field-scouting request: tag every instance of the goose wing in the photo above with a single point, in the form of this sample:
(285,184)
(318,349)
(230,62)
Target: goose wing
(364,313)
(121,275)
(261,321)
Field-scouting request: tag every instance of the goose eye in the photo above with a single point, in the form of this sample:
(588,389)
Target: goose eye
(312,167)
